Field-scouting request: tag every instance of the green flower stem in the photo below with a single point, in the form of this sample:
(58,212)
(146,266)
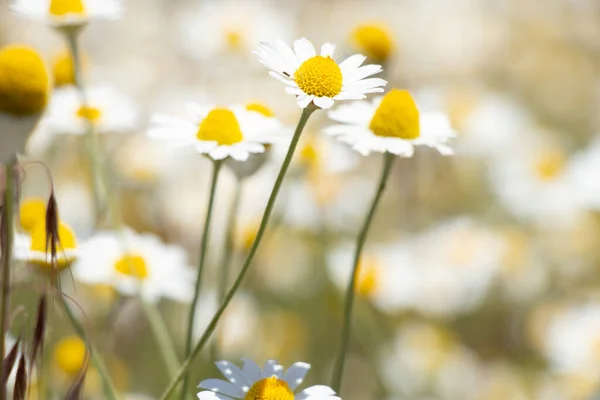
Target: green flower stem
(201,260)
(227,253)
(338,371)
(261,230)
(8,224)
(109,388)
(163,338)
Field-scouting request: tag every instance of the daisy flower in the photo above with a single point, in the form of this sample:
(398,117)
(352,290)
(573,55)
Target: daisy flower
(32,247)
(374,39)
(107,110)
(68,12)
(319,79)
(392,124)
(252,383)
(134,263)
(218,132)
(24,91)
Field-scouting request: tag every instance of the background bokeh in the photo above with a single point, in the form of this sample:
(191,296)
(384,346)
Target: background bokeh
(481,278)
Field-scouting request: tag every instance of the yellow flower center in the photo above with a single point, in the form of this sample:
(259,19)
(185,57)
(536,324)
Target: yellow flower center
(234,39)
(319,76)
(69,355)
(397,116)
(309,155)
(132,265)
(260,108)
(368,277)
(549,165)
(67,241)
(92,114)
(59,8)
(270,389)
(374,40)
(221,126)
(24,81)
(32,212)
(63,70)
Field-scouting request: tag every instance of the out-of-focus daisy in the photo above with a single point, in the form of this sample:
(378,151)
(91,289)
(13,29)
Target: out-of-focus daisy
(33,248)
(253,383)
(319,79)
(70,355)
(63,69)
(583,170)
(32,211)
(218,132)
(134,263)
(392,124)
(107,110)
(24,92)
(373,39)
(68,12)
(230,27)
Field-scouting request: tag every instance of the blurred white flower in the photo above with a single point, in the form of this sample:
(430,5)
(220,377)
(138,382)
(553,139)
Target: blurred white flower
(68,12)
(135,263)
(391,123)
(218,28)
(583,169)
(107,110)
(272,382)
(219,132)
(319,79)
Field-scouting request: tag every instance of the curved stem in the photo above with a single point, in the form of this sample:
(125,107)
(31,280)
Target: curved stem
(338,371)
(163,338)
(7,243)
(261,230)
(227,254)
(202,258)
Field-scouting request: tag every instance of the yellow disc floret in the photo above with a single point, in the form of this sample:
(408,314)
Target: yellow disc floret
(67,240)
(368,277)
(63,70)
(60,8)
(69,355)
(260,108)
(221,126)
(374,40)
(132,265)
(234,39)
(24,81)
(319,76)
(32,213)
(549,164)
(92,114)
(270,389)
(397,116)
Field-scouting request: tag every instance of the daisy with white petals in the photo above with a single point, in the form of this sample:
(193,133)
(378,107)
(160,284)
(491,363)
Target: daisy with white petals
(219,132)
(252,383)
(134,263)
(392,124)
(68,12)
(319,79)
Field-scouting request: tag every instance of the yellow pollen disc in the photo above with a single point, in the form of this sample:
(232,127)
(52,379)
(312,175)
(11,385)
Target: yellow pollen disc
(309,155)
(319,76)
(59,8)
(92,114)
(63,70)
(67,240)
(69,355)
(234,39)
(397,116)
(221,126)
(374,40)
(270,389)
(24,81)
(550,164)
(260,108)
(31,213)
(132,265)
(368,277)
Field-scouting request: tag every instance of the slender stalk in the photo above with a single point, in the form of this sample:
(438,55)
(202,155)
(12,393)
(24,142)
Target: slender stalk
(7,224)
(163,338)
(201,259)
(109,388)
(227,253)
(306,113)
(338,371)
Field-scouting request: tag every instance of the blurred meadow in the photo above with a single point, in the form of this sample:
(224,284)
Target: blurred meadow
(480,274)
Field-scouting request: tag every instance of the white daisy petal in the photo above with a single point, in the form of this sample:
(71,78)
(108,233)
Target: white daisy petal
(327,50)
(208,395)
(304,49)
(352,62)
(251,370)
(324,102)
(317,391)
(272,368)
(234,374)
(295,374)
(222,387)
(304,100)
